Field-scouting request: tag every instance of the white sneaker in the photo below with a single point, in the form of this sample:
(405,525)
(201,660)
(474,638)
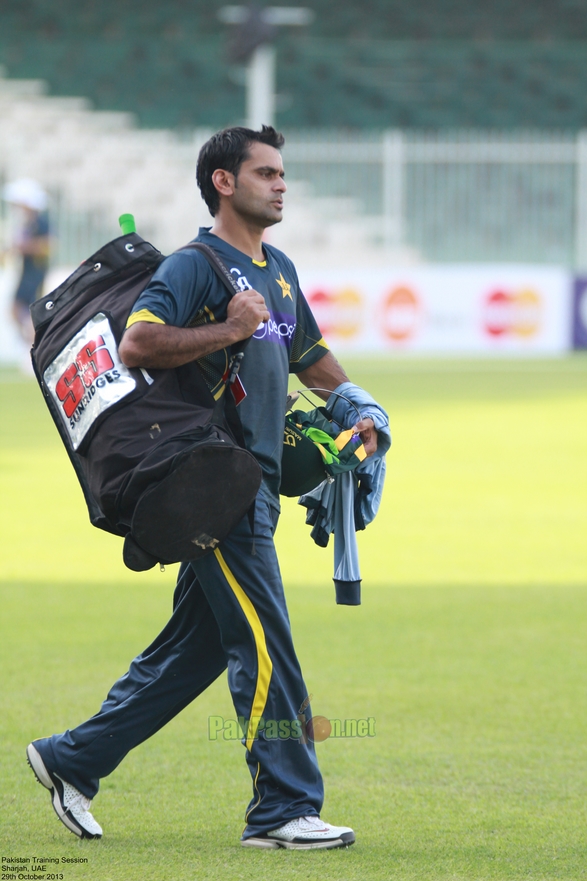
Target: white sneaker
(303,833)
(71,806)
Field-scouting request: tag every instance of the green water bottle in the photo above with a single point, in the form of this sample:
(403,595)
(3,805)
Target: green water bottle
(127,224)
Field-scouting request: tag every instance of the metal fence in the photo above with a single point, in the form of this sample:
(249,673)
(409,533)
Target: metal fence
(459,196)
(75,234)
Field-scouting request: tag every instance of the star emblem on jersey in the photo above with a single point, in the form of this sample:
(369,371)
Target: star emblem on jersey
(285,287)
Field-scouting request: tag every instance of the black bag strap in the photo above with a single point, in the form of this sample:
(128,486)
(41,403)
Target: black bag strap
(237,350)
(223,273)
(225,403)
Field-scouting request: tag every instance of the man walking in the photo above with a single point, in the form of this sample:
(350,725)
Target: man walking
(229,606)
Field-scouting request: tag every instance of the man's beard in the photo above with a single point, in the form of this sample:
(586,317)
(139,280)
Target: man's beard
(259,214)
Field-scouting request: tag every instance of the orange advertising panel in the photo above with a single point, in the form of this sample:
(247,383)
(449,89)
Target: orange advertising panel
(401,314)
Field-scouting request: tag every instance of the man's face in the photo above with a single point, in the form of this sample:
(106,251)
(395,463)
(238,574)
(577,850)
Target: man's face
(259,186)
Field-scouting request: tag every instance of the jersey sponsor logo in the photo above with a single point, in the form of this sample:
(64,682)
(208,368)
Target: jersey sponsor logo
(241,280)
(279,329)
(87,377)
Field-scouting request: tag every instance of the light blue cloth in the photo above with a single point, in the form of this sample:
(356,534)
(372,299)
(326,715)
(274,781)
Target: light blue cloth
(349,501)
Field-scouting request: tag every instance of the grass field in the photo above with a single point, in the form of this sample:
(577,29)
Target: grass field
(468,650)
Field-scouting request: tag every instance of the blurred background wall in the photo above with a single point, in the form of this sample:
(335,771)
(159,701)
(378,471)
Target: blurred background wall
(418,134)
(371,64)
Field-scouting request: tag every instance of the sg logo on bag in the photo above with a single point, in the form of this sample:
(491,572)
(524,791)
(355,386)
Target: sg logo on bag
(91,361)
(87,377)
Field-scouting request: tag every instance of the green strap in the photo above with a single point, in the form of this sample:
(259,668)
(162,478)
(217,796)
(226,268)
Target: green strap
(330,453)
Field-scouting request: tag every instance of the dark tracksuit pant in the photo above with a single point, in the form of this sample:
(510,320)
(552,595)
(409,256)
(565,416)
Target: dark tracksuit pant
(229,610)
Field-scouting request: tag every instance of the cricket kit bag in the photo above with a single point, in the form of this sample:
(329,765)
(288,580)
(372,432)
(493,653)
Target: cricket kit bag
(159,461)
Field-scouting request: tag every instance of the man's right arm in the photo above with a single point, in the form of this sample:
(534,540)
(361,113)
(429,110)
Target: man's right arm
(163,346)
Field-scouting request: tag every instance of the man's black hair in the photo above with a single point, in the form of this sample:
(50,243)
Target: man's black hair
(228,150)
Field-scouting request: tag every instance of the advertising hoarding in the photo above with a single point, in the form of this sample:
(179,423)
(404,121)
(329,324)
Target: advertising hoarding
(512,310)
(580,313)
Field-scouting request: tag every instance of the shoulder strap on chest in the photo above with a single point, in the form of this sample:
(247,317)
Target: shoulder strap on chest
(229,282)
(237,350)
(223,273)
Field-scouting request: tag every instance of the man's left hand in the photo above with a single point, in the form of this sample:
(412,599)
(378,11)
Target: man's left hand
(368,432)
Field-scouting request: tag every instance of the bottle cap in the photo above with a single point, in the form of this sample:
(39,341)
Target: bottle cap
(127,224)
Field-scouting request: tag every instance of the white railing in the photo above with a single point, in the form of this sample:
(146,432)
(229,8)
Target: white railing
(461,196)
(457,196)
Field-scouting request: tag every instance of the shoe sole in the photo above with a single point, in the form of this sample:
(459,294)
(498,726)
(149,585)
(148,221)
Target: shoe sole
(44,777)
(276,844)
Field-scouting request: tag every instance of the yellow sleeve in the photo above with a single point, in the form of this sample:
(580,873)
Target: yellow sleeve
(143,315)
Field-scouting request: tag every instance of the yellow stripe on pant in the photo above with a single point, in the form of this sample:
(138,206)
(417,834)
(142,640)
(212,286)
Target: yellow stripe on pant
(264,664)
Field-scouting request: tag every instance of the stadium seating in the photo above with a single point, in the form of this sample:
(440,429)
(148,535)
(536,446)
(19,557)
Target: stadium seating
(97,165)
(373,64)
(378,65)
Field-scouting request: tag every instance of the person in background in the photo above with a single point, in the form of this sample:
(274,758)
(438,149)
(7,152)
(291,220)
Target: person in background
(32,242)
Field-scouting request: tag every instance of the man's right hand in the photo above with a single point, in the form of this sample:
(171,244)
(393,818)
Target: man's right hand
(164,346)
(246,311)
